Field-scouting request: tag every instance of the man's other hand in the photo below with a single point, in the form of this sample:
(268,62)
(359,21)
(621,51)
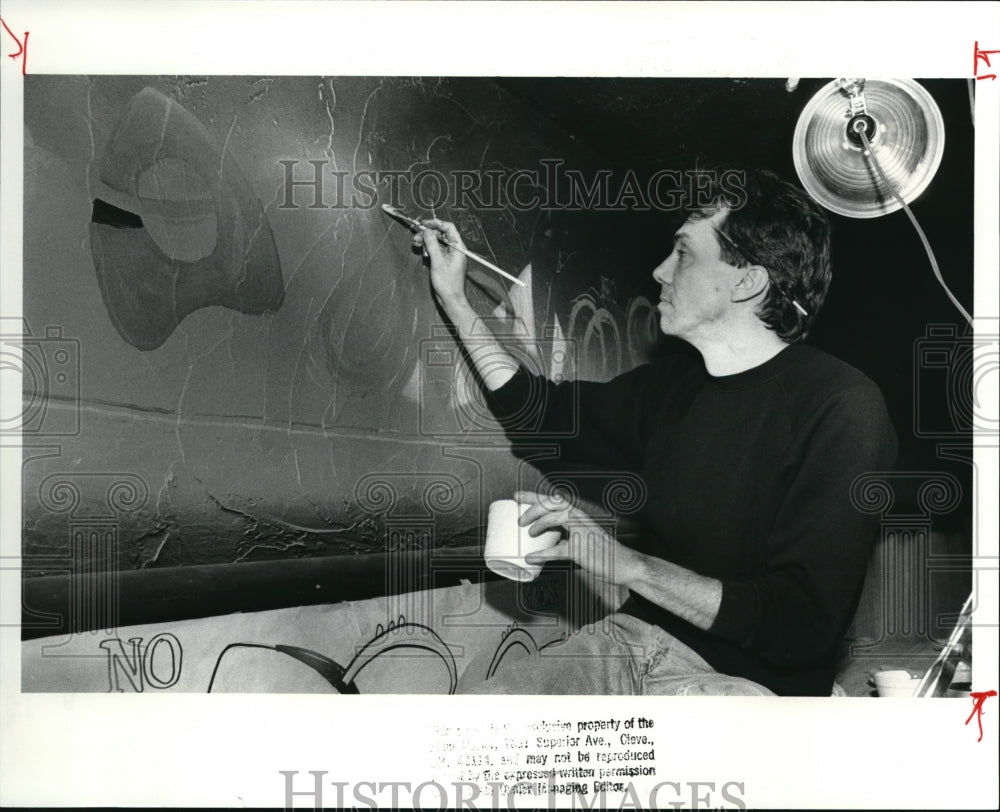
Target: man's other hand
(585,543)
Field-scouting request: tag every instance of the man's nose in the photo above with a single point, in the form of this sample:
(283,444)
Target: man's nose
(664,272)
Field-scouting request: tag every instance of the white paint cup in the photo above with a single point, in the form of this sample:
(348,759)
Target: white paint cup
(896,683)
(507,543)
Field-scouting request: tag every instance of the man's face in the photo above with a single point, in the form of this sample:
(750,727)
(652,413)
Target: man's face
(695,283)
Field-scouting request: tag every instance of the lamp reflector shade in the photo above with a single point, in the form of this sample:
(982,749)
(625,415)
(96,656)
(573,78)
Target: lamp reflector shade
(906,133)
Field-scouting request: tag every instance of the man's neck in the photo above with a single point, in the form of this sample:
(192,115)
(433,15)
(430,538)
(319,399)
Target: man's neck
(738,351)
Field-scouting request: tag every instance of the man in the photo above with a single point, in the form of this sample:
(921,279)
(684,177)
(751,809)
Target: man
(753,555)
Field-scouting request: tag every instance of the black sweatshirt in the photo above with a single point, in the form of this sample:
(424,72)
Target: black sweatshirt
(749,480)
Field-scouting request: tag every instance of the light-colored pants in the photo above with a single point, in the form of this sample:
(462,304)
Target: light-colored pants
(617,655)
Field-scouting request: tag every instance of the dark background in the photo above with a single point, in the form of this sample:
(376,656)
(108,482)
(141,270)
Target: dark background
(884,296)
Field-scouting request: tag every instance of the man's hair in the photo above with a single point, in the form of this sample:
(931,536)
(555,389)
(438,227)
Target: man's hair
(776,225)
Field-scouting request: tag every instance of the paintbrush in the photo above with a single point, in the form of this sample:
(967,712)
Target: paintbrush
(416,224)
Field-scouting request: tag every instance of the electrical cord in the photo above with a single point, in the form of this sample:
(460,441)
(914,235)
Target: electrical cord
(860,128)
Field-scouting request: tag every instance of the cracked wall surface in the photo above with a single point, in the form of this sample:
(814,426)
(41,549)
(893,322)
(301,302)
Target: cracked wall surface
(313,424)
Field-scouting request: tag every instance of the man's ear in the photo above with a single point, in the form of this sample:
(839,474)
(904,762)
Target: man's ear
(752,283)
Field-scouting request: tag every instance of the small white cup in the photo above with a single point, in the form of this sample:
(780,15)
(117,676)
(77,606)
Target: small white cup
(896,683)
(507,543)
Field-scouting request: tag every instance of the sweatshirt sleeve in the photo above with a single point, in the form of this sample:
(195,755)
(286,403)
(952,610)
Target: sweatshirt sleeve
(818,555)
(601,424)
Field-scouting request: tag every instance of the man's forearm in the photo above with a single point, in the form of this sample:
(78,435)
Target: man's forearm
(494,364)
(693,597)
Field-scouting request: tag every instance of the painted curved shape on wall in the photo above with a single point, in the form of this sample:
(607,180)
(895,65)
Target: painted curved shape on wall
(260,668)
(599,346)
(512,638)
(641,329)
(146,290)
(403,635)
(368,327)
(240,667)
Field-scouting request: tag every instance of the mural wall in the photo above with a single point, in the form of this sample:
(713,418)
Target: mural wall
(232,354)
